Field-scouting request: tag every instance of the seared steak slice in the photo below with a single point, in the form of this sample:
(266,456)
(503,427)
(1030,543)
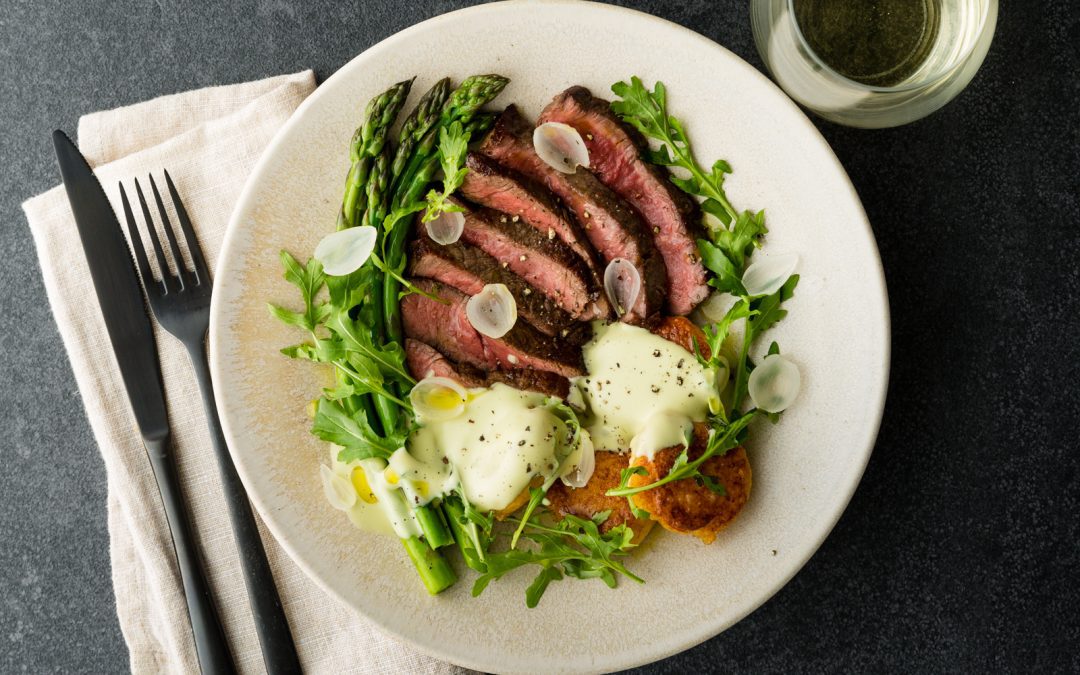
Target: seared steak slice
(614,227)
(468,269)
(446,327)
(615,155)
(425,361)
(489,184)
(546,264)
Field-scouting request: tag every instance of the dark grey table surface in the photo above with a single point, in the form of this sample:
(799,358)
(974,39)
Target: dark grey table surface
(961,547)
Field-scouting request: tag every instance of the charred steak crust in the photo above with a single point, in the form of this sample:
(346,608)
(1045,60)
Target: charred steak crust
(547,264)
(445,326)
(612,226)
(615,154)
(426,361)
(469,269)
(503,189)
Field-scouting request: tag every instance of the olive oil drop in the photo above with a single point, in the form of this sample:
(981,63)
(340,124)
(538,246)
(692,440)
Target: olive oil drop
(878,43)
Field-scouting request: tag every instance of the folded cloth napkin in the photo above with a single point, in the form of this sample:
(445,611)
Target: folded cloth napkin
(209,140)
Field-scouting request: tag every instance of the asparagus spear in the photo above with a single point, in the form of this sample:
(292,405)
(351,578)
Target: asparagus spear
(417,124)
(367,143)
(366,200)
(463,106)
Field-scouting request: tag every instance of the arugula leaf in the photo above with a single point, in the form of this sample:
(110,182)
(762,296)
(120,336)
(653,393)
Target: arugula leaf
(574,547)
(536,495)
(767,310)
(768,307)
(739,242)
(309,280)
(390,358)
(710,483)
(647,112)
(727,277)
(722,437)
(349,290)
(353,433)
(453,146)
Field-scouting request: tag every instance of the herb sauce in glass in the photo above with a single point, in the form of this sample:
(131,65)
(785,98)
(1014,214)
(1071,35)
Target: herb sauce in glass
(878,43)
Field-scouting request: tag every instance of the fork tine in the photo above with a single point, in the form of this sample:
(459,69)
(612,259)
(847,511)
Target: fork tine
(154,240)
(201,272)
(181,268)
(137,246)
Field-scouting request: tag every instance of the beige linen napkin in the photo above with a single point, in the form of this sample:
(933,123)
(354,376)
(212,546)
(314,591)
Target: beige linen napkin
(209,140)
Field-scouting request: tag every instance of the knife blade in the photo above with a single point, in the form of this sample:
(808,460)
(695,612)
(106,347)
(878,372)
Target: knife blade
(119,293)
(112,269)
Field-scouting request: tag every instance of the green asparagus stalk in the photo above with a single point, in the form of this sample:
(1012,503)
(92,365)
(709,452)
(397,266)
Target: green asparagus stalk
(435,572)
(366,200)
(463,106)
(417,125)
(367,143)
(472,542)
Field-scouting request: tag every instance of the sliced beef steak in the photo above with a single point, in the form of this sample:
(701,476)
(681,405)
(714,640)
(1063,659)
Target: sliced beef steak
(492,185)
(615,155)
(547,264)
(469,269)
(425,361)
(612,226)
(445,326)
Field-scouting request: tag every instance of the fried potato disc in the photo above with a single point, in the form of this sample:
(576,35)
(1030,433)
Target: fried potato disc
(681,331)
(586,502)
(686,506)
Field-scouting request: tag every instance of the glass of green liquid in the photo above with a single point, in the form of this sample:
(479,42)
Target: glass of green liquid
(873,63)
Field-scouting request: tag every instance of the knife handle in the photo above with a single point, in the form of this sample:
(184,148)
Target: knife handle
(210,644)
(275,639)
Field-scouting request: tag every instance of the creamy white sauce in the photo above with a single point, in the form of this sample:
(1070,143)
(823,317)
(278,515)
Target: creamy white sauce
(493,449)
(642,392)
(379,506)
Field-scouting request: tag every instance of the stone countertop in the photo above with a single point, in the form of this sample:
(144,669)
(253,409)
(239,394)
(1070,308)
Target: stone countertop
(960,548)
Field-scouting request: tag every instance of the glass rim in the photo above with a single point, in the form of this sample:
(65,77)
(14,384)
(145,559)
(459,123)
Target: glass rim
(938,76)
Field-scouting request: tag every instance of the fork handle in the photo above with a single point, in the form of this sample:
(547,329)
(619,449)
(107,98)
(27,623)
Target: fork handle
(211,646)
(278,649)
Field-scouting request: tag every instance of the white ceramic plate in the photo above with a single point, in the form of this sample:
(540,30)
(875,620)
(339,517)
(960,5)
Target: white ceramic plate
(805,469)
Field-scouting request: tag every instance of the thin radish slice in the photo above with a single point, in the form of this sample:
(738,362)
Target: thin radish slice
(765,276)
(774,385)
(716,306)
(492,311)
(437,399)
(560,146)
(339,490)
(622,283)
(447,227)
(343,252)
(584,466)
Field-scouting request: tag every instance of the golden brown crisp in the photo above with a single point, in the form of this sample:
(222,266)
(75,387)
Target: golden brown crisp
(681,331)
(686,506)
(586,502)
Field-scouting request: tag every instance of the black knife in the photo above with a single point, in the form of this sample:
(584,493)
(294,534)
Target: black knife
(113,273)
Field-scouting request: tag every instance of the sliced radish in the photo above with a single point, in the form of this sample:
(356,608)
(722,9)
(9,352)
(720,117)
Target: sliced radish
(585,464)
(774,385)
(492,311)
(343,252)
(716,306)
(447,227)
(622,283)
(436,399)
(560,146)
(339,490)
(766,275)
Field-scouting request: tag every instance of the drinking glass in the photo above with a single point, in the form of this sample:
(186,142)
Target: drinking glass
(964,31)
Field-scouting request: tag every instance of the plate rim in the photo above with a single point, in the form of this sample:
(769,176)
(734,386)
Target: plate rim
(674,643)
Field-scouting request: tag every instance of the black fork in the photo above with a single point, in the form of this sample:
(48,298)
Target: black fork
(181,304)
